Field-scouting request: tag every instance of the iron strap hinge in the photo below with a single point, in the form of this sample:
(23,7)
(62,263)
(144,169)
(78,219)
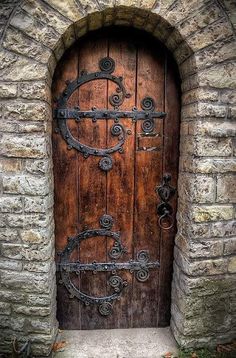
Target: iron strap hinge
(107,266)
(65,113)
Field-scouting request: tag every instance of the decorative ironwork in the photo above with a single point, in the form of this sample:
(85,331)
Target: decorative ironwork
(140,266)
(62,113)
(164,209)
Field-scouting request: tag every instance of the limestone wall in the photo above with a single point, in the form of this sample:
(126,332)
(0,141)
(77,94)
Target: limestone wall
(201,36)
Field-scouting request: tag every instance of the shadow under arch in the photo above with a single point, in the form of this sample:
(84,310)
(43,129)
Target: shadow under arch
(130,17)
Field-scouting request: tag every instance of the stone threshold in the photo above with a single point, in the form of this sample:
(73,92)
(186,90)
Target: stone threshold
(116,343)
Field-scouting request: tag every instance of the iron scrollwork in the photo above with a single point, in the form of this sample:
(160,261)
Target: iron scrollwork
(140,266)
(164,209)
(62,113)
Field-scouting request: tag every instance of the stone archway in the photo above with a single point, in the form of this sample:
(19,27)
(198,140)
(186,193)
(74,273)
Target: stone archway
(201,38)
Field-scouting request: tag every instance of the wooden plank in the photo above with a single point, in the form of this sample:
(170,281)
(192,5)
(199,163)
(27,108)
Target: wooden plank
(92,189)
(65,187)
(148,173)
(170,165)
(120,180)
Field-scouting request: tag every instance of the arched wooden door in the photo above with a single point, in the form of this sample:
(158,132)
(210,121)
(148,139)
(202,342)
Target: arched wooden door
(116,130)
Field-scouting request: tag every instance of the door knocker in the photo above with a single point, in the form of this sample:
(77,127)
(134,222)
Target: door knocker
(164,209)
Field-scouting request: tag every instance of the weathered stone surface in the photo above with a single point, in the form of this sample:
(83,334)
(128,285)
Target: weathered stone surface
(219,76)
(39,166)
(197,188)
(24,147)
(204,110)
(34,266)
(25,252)
(208,165)
(26,281)
(47,15)
(12,264)
(30,310)
(230,246)
(205,17)
(16,68)
(217,52)
(11,204)
(200,94)
(27,221)
(69,8)
(232,265)
(36,236)
(35,29)
(179,10)
(5,307)
(9,235)
(226,188)
(10,165)
(209,35)
(200,248)
(12,323)
(18,110)
(8,90)
(27,184)
(37,204)
(17,42)
(202,267)
(212,213)
(207,147)
(212,128)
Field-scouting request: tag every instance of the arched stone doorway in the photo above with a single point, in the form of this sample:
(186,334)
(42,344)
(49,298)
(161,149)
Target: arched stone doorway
(201,37)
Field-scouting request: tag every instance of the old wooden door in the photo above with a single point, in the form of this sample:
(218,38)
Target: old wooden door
(116,128)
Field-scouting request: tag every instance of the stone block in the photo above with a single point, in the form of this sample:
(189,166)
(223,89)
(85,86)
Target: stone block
(26,146)
(212,213)
(18,110)
(69,9)
(197,249)
(36,236)
(219,76)
(209,165)
(28,221)
(205,17)
(178,13)
(8,90)
(10,259)
(31,311)
(33,266)
(38,166)
(11,204)
(9,235)
(232,265)
(216,53)
(212,128)
(37,253)
(208,147)
(197,188)
(230,246)
(26,184)
(18,42)
(35,90)
(39,31)
(12,165)
(7,322)
(5,308)
(201,267)
(46,14)
(220,30)
(223,229)
(14,67)
(203,110)
(226,188)
(26,281)
(37,204)
(200,94)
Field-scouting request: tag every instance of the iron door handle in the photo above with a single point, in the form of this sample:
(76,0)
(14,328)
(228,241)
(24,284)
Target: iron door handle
(164,209)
